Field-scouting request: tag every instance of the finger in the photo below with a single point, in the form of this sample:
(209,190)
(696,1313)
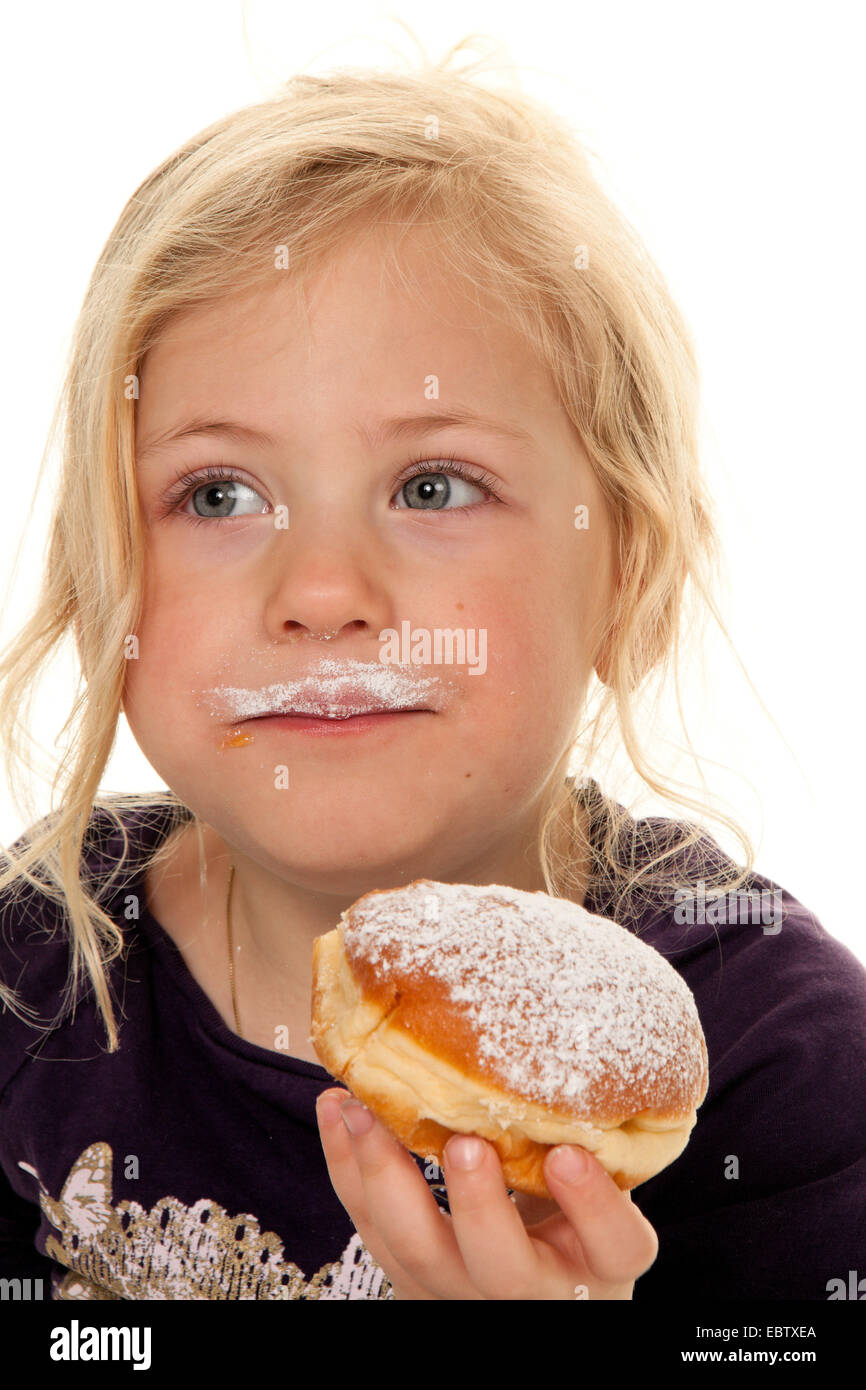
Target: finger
(346,1178)
(403,1213)
(617,1241)
(500,1258)
(343,1171)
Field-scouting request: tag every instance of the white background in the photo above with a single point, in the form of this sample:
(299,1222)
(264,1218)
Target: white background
(731,136)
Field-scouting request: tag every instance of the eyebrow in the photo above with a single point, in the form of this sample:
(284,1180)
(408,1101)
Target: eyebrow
(231,429)
(400,427)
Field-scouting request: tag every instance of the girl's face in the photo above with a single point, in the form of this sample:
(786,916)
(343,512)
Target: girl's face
(322,547)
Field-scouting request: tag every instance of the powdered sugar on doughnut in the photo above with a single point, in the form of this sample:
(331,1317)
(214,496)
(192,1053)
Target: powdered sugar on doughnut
(563,1002)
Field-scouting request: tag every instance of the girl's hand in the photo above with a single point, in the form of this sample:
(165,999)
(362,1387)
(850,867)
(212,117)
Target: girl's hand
(592,1243)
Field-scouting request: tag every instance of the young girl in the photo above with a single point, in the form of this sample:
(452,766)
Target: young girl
(380,496)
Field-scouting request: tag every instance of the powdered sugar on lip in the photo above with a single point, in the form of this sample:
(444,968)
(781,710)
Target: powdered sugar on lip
(336,690)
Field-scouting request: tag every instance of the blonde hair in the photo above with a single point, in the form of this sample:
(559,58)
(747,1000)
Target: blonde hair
(512,186)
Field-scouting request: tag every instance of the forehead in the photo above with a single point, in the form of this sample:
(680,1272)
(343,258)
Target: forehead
(386,315)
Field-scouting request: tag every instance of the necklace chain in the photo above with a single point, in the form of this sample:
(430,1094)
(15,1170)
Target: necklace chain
(231,955)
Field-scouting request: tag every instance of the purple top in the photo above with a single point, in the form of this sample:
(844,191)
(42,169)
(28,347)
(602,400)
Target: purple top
(188,1164)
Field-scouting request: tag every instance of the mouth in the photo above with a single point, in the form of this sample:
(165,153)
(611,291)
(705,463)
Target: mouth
(339,694)
(348,704)
(344,721)
(339,698)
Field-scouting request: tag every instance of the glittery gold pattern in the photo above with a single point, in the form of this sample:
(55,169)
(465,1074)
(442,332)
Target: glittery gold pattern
(179,1252)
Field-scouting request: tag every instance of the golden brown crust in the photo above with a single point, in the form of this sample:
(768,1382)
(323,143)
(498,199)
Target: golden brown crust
(399,1042)
(422,1005)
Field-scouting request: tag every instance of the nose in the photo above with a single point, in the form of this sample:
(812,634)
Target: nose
(325,584)
(297,631)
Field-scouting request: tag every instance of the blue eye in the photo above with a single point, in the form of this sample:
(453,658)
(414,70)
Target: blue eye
(223,494)
(218,493)
(221,486)
(436,482)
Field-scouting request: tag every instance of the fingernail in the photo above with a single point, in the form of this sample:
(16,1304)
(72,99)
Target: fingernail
(569,1164)
(464,1152)
(329,1108)
(356,1117)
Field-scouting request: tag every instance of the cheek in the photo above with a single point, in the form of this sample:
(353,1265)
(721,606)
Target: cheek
(181,634)
(531,615)
(153,700)
(517,714)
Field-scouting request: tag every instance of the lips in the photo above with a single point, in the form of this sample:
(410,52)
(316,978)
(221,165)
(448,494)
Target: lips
(318,704)
(344,706)
(336,690)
